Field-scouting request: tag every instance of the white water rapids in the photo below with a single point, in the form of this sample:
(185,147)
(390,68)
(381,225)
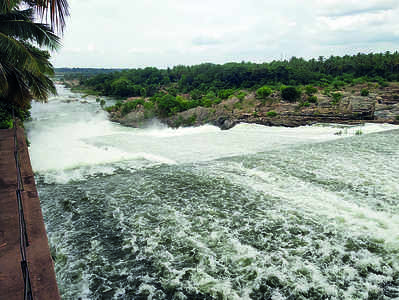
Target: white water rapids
(254,212)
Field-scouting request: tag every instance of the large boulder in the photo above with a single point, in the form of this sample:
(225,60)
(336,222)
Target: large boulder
(224,123)
(133,119)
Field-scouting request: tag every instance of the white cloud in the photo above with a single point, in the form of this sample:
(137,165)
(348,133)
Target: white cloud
(355,22)
(165,33)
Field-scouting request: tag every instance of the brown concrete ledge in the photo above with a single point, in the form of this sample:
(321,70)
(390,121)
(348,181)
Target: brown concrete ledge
(40,264)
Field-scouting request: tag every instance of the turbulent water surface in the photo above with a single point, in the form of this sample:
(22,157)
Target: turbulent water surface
(199,213)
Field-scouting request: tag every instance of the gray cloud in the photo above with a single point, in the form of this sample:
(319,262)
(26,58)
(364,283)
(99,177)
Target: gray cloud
(166,33)
(359,11)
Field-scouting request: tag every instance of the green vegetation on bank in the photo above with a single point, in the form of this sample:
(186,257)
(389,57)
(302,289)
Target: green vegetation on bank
(165,92)
(222,80)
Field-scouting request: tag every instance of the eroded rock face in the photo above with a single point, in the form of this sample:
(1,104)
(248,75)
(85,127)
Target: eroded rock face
(362,108)
(387,106)
(350,109)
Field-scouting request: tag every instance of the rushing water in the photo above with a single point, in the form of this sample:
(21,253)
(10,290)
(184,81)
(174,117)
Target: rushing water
(199,213)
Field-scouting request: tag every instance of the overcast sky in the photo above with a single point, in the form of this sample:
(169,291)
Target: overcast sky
(162,33)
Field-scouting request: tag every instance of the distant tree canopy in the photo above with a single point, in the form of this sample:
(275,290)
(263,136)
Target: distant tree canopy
(222,80)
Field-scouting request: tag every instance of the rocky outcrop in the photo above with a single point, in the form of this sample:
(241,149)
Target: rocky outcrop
(387,106)
(224,123)
(351,108)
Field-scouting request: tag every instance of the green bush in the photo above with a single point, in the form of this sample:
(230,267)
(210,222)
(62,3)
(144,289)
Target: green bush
(127,107)
(210,99)
(290,94)
(264,92)
(195,94)
(312,99)
(118,105)
(364,92)
(6,109)
(271,113)
(310,90)
(336,98)
(326,91)
(169,105)
(338,84)
(397,118)
(360,80)
(109,109)
(241,95)
(148,105)
(5,121)
(224,94)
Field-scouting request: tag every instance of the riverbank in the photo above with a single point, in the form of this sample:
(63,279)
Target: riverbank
(346,106)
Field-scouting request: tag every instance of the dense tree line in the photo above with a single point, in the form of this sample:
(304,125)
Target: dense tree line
(199,80)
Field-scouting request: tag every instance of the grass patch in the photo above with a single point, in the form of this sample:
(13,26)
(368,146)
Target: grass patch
(271,114)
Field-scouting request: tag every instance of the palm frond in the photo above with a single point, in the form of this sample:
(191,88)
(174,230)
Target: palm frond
(25,67)
(8,5)
(42,59)
(35,32)
(18,91)
(15,52)
(12,15)
(40,86)
(3,81)
(55,11)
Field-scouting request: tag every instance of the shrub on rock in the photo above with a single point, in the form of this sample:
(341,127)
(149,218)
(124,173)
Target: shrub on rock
(290,94)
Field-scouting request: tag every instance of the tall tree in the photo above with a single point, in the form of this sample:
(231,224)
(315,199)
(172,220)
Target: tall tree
(24,65)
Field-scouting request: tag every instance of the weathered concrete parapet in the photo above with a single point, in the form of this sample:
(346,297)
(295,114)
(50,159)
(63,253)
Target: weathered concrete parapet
(40,265)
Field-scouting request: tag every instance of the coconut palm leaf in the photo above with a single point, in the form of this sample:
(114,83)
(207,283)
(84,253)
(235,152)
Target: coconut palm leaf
(7,5)
(15,52)
(24,67)
(19,25)
(53,10)
(42,59)
(3,81)
(18,92)
(40,86)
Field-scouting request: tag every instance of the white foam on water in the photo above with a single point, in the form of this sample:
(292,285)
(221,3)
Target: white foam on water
(158,130)
(71,141)
(312,198)
(71,135)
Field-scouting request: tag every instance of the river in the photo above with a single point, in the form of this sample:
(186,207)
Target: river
(254,212)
